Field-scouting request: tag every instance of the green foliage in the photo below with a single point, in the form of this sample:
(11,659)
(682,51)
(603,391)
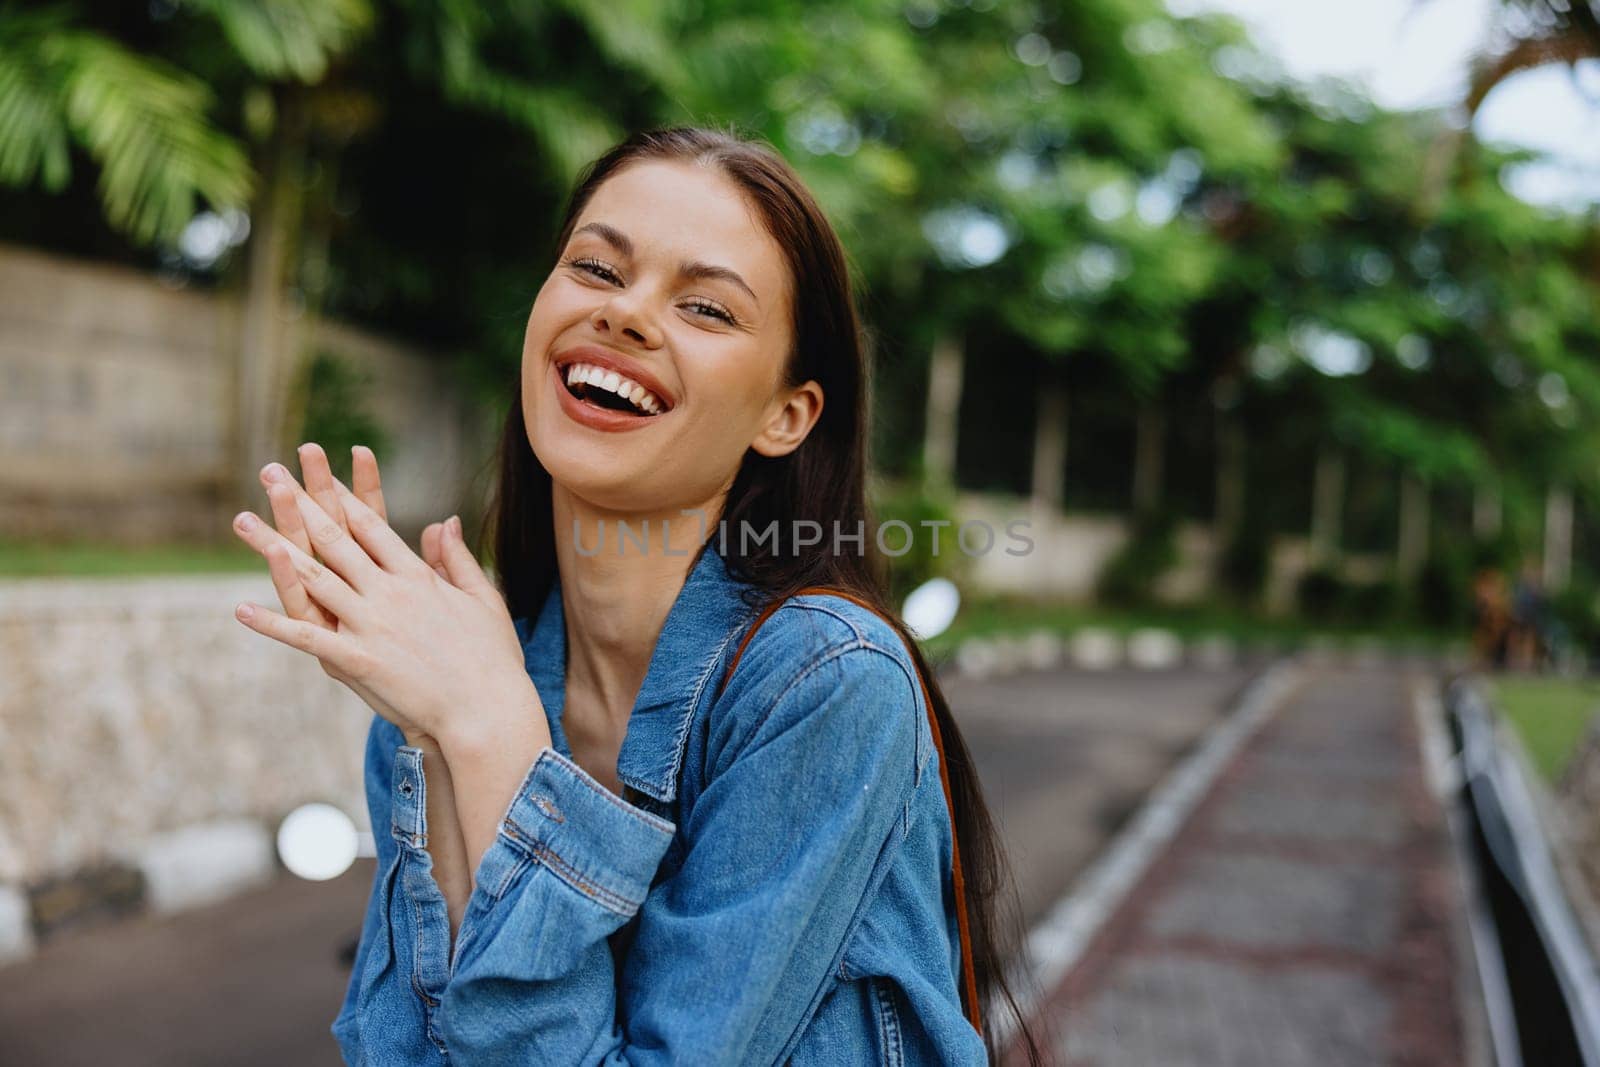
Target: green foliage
(1129,578)
(1376,600)
(1443,595)
(1245,563)
(913,504)
(1165,220)
(289,38)
(1321,594)
(333,394)
(1577,611)
(143,121)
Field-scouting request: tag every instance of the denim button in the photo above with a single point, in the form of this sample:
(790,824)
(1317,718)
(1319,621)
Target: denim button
(547,807)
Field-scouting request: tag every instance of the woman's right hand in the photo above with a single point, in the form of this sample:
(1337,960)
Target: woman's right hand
(325,490)
(446,844)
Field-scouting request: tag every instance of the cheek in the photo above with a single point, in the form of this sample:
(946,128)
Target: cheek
(557,305)
(737,395)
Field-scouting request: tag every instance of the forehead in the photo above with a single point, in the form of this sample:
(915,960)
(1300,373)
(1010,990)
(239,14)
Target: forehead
(685,211)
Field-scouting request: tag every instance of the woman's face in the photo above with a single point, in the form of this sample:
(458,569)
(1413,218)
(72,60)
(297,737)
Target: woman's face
(670,280)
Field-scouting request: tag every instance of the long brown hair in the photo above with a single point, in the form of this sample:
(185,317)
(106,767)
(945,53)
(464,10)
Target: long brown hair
(823,480)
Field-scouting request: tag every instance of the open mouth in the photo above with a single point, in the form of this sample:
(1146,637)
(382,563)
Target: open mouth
(609,390)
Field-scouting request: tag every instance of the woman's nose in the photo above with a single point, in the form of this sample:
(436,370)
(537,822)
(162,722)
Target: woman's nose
(626,313)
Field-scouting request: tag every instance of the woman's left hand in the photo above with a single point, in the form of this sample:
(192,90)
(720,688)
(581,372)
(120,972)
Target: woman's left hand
(441,655)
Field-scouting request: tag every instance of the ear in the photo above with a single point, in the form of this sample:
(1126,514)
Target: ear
(796,412)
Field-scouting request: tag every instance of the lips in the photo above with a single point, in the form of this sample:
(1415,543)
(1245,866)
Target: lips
(612,361)
(592,415)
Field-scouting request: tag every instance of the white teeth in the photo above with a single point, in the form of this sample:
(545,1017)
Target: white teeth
(629,390)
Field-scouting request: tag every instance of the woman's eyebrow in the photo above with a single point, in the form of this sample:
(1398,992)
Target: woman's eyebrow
(695,269)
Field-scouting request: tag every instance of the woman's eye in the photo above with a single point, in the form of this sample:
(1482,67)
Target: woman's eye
(599,270)
(594,267)
(712,310)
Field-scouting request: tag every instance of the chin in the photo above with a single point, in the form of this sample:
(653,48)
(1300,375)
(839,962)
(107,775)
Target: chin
(597,477)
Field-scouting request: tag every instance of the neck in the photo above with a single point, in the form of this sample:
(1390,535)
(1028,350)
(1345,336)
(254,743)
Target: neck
(616,595)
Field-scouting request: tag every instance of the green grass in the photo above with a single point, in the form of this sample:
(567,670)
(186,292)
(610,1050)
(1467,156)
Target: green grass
(1551,715)
(87,559)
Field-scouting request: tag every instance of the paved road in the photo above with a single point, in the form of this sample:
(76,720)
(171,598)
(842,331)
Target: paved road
(1066,756)
(1304,915)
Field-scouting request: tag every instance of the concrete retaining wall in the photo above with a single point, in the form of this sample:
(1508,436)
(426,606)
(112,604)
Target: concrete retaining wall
(118,407)
(150,743)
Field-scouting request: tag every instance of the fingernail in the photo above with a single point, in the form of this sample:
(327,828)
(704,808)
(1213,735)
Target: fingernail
(244,611)
(245,521)
(455,525)
(276,472)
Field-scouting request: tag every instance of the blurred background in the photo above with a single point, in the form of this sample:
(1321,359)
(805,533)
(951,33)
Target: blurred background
(1280,324)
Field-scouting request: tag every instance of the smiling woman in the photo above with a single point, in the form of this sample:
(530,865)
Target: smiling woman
(702,804)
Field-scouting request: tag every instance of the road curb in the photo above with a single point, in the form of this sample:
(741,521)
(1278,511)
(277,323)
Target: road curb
(170,872)
(1156,648)
(16,927)
(1059,941)
(205,862)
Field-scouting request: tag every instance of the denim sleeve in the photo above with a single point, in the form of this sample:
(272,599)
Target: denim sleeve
(736,949)
(382,1020)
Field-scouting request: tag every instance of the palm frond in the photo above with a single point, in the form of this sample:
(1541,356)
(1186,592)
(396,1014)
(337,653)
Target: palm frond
(142,121)
(633,34)
(570,129)
(34,139)
(289,38)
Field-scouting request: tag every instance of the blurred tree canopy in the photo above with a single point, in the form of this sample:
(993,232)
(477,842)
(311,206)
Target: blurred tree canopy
(1094,197)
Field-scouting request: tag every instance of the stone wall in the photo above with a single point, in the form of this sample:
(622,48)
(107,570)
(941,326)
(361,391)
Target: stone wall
(137,714)
(1070,550)
(118,407)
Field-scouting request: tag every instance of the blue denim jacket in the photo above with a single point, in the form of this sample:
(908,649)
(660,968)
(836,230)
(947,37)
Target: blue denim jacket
(776,888)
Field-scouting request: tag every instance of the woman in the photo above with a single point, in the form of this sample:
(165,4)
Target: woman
(589,850)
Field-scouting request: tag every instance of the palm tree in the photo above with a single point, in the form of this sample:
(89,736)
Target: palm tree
(144,123)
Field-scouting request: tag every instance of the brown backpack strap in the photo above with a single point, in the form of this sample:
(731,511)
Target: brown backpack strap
(969,978)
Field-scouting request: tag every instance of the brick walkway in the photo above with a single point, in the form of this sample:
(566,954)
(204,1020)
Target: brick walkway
(1304,916)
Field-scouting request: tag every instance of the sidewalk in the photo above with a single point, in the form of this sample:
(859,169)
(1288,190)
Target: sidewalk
(1305,915)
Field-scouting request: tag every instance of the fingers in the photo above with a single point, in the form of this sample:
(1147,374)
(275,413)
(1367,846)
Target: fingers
(290,527)
(430,548)
(348,559)
(327,645)
(285,513)
(320,583)
(364,480)
(318,479)
(385,546)
(297,603)
(459,562)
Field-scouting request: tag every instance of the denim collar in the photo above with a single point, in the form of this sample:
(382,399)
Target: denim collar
(707,616)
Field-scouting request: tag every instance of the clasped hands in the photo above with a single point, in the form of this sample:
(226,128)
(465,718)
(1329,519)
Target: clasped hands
(426,641)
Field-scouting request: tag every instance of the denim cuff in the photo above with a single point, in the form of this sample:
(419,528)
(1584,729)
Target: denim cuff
(408,820)
(598,844)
